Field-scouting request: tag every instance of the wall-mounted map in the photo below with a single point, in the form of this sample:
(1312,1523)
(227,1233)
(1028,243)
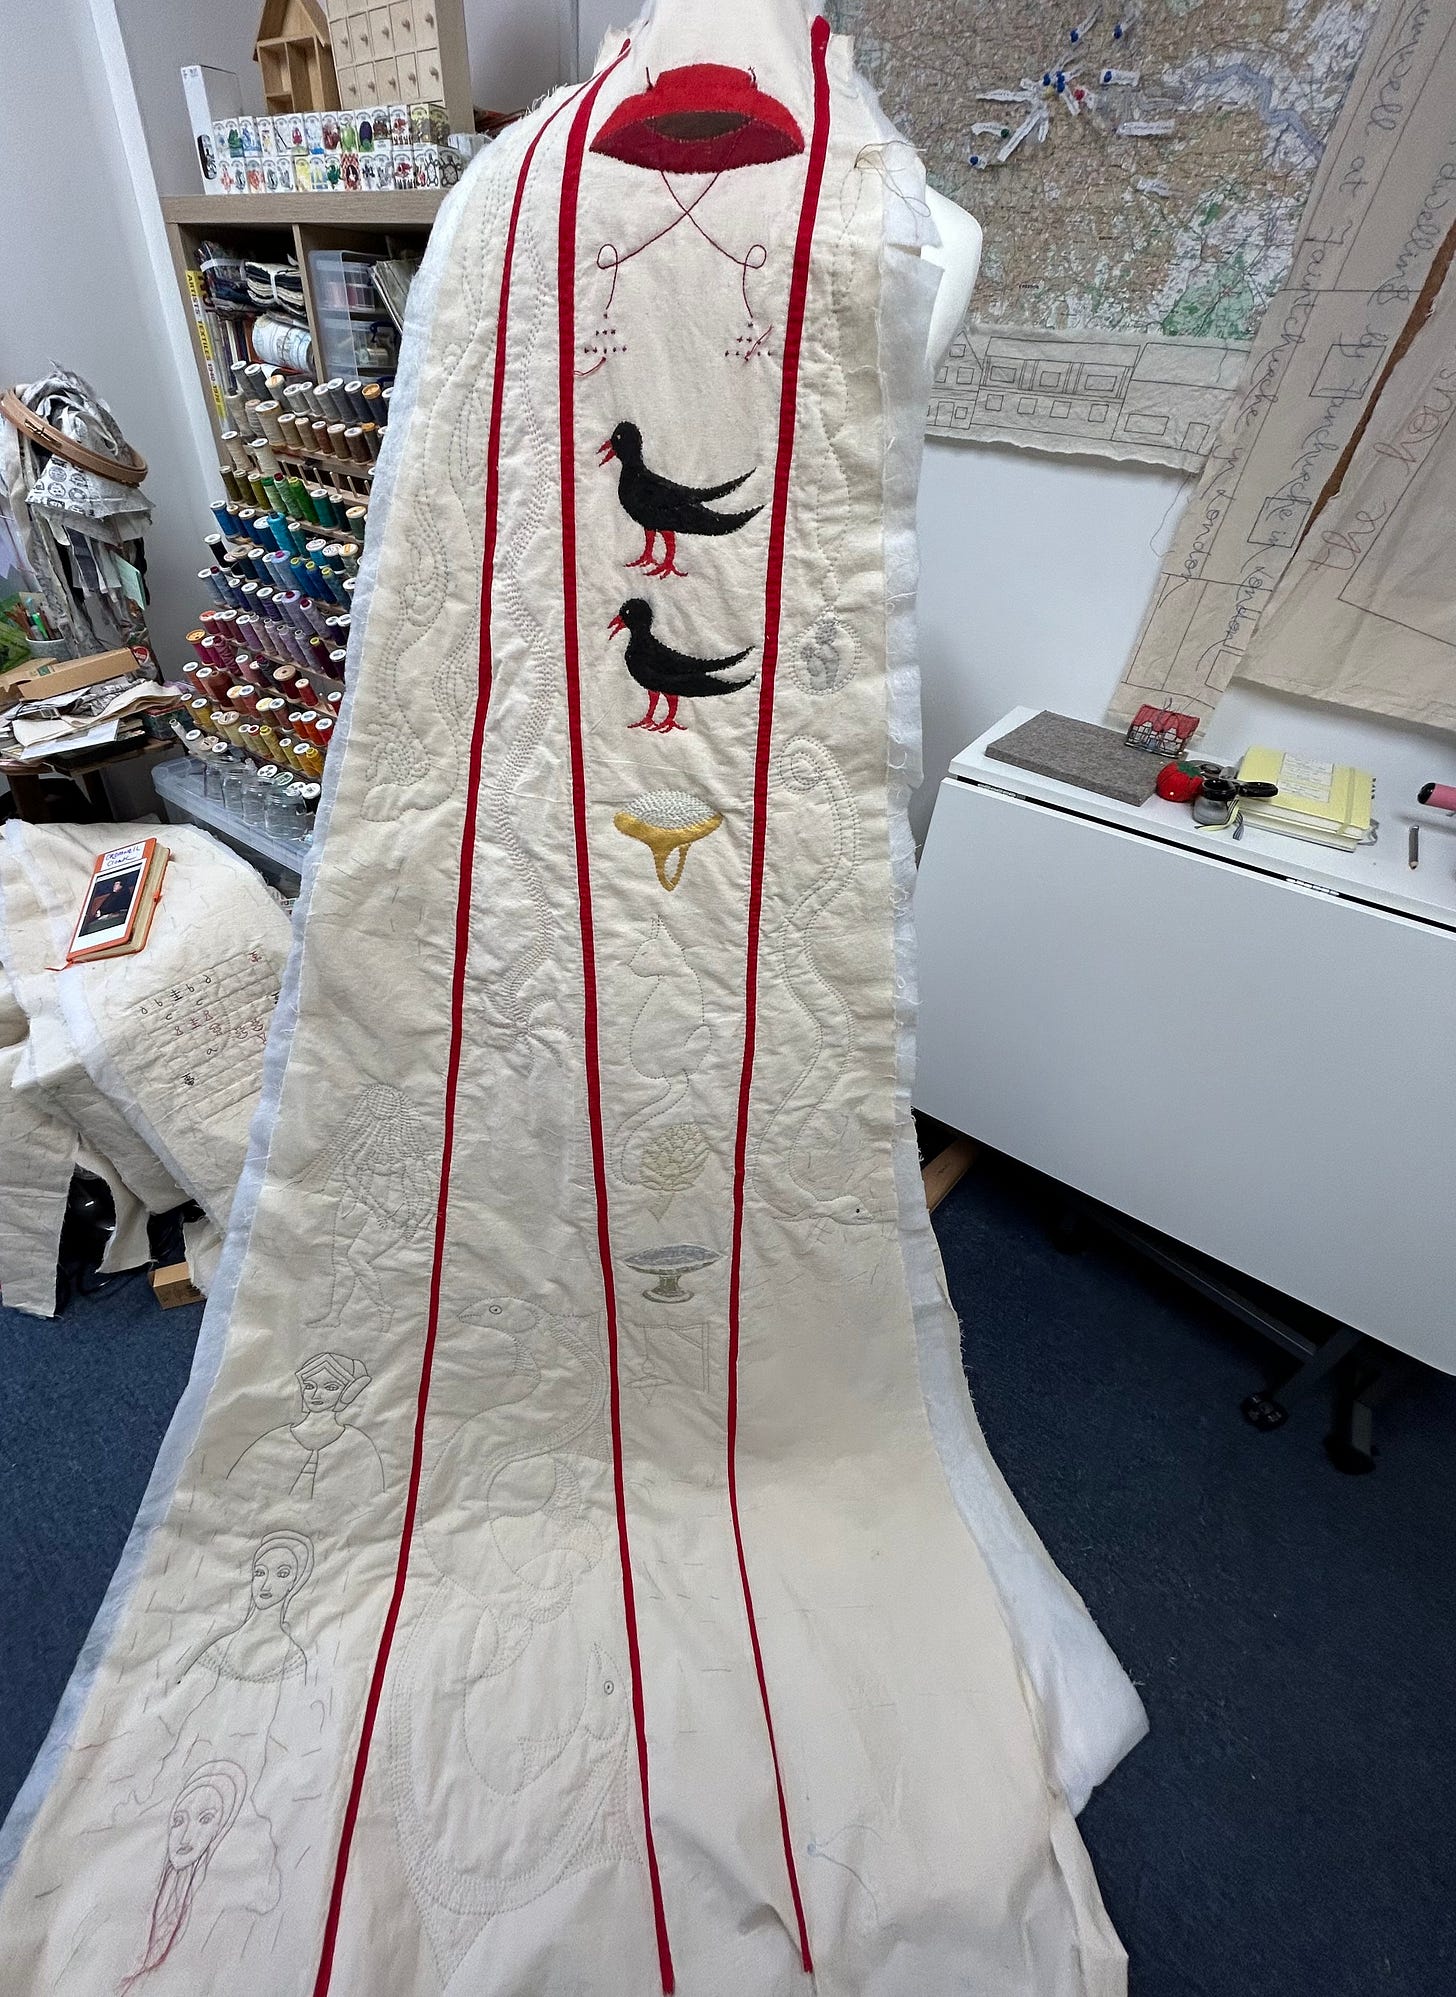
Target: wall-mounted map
(1140,177)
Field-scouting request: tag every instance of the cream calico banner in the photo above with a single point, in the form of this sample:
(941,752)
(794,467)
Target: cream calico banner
(571,1586)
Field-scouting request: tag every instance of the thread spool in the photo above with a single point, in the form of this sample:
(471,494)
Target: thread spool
(256,487)
(354,443)
(369,435)
(337,657)
(357,400)
(267,414)
(356,519)
(336,445)
(326,511)
(268,463)
(320,432)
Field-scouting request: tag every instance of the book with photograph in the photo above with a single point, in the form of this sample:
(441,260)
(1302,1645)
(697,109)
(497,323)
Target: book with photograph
(120,901)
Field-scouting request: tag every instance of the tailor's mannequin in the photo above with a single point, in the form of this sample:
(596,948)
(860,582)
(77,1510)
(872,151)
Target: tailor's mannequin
(959,256)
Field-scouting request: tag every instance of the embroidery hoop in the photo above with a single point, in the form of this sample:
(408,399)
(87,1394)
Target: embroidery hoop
(125,471)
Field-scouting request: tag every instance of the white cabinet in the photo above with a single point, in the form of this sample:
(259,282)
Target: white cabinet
(1259,1065)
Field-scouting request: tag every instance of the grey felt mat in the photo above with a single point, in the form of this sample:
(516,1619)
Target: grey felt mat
(1081,753)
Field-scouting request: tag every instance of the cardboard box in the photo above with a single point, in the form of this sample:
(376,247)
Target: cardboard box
(172,1285)
(48,678)
(212,95)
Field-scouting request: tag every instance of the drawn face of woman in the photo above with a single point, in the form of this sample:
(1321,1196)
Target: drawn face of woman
(197,1820)
(275,1570)
(319,1392)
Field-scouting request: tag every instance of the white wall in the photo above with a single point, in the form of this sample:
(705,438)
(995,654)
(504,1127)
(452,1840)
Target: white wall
(160,36)
(80,285)
(1034,571)
(517,51)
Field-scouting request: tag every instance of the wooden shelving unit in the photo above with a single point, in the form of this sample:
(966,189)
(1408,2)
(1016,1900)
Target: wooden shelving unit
(277,226)
(414,208)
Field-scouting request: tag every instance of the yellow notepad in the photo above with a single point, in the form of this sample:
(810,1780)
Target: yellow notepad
(1314,798)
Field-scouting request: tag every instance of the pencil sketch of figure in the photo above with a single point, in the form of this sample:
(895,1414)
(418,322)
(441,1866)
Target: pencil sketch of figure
(386,1164)
(320,1455)
(261,1650)
(250,1695)
(207,1805)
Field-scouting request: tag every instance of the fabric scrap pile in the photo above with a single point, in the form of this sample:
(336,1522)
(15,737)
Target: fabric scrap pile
(41,727)
(79,532)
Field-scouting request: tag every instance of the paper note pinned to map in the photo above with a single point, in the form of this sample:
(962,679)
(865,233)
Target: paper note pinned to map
(1140,188)
(1377,221)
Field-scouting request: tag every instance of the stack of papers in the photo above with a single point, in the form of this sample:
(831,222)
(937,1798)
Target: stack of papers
(37,731)
(1329,804)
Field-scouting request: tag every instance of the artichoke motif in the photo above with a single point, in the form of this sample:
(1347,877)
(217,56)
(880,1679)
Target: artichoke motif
(672,1159)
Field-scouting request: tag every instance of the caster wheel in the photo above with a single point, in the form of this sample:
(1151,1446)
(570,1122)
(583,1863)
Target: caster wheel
(1263,1412)
(1347,1458)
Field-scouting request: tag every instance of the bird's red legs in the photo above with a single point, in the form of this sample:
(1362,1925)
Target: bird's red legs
(666,727)
(647,720)
(647,558)
(668,565)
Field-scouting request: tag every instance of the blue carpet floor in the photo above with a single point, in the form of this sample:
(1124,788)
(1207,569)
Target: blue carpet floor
(1284,1831)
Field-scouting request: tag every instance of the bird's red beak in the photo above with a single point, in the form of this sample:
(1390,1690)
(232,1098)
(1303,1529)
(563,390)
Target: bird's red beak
(605,451)
(617,624)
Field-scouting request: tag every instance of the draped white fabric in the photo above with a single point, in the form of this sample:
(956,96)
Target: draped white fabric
(571,1587)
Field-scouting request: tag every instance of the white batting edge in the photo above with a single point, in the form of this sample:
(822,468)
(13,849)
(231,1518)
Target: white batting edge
(1092,1713)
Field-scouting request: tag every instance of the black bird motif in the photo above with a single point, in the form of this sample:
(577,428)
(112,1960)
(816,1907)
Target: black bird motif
(667,674)
(661,506)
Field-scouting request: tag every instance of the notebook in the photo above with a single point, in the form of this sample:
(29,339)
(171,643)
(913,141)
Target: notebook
(1327,803)
(120,900)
